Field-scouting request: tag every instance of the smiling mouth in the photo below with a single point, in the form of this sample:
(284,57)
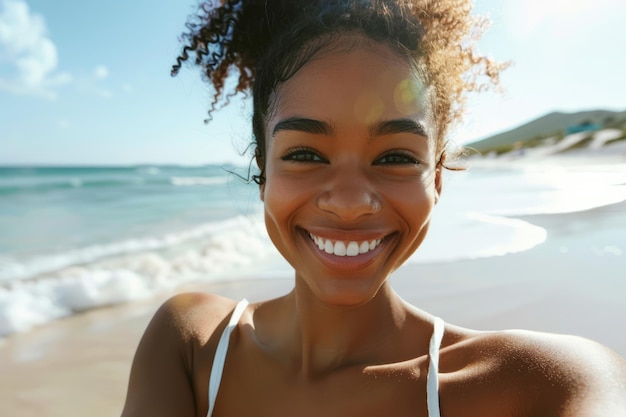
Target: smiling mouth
(344,248)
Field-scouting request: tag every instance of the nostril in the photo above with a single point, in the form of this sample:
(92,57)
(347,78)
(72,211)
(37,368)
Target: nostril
(375,203)
(348,204)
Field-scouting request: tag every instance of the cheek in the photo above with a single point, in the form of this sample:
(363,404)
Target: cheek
(415,210)
(282,197)
(416,193)
(413,205)
(272,203)
(275,216)
(283,205)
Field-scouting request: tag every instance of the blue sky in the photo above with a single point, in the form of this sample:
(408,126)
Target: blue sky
(84,82)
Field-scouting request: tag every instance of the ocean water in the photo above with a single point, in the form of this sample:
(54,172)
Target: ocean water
(77,238)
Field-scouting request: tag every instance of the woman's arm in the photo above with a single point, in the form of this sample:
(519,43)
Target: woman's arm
(161,381)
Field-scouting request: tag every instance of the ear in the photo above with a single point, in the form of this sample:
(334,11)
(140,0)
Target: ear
(260,161)
(438,183)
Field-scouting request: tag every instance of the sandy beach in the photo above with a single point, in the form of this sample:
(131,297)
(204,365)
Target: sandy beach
(573,283)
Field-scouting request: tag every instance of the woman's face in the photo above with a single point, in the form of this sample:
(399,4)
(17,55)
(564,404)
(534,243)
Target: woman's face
(351,172)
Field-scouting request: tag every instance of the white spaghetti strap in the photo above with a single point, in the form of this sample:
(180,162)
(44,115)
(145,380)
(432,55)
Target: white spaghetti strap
(432,382)
(220,354)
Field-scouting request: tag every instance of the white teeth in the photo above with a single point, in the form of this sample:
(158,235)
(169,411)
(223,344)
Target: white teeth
(328,246)
(341,248)
(353,249)
(364,247)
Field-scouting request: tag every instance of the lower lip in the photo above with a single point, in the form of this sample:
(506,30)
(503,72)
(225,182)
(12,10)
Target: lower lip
(346,263)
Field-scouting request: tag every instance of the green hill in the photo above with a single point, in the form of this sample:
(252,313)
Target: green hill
(551,125)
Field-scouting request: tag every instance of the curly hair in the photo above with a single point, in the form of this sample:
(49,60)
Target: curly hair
(265,42)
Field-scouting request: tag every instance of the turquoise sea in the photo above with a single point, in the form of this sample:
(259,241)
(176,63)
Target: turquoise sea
(76,238)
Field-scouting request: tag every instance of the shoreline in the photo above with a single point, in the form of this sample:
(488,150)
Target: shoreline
(572,283)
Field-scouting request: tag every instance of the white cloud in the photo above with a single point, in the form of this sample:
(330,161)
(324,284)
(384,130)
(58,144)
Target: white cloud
(25,45)
(101,72)
(93,83)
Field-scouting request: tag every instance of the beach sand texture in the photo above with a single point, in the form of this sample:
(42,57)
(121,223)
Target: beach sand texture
(572,283)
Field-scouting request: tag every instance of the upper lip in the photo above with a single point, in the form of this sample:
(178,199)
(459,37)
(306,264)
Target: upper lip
(347,235)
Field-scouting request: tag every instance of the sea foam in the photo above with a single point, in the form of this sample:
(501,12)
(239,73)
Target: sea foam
(12,270)
(229,251)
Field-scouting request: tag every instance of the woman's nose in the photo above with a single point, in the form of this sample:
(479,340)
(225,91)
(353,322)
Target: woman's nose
(349,196)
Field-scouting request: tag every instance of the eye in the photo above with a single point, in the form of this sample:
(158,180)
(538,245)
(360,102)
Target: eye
(397,158)
(303,154)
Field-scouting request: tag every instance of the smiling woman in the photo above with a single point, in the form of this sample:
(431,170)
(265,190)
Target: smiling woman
(361,170)
(353,100)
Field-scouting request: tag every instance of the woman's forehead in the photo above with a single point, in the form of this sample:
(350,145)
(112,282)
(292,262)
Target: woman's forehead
(367,83)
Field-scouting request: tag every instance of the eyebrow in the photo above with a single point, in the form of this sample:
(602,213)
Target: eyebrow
(302,124)
(388,127)
(391,127)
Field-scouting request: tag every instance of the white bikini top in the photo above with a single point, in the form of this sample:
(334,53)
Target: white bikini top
(432,382)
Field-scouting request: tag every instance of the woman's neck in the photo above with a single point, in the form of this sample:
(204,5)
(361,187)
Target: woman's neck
(318,338)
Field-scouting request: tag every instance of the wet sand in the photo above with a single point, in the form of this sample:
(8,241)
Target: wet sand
(573,283)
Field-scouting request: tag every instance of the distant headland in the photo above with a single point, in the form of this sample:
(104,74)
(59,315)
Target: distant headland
(559,133)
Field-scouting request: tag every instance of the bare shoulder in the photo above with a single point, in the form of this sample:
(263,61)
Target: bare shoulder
(164,372)
(192,315)
(586,377)
(542,373)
